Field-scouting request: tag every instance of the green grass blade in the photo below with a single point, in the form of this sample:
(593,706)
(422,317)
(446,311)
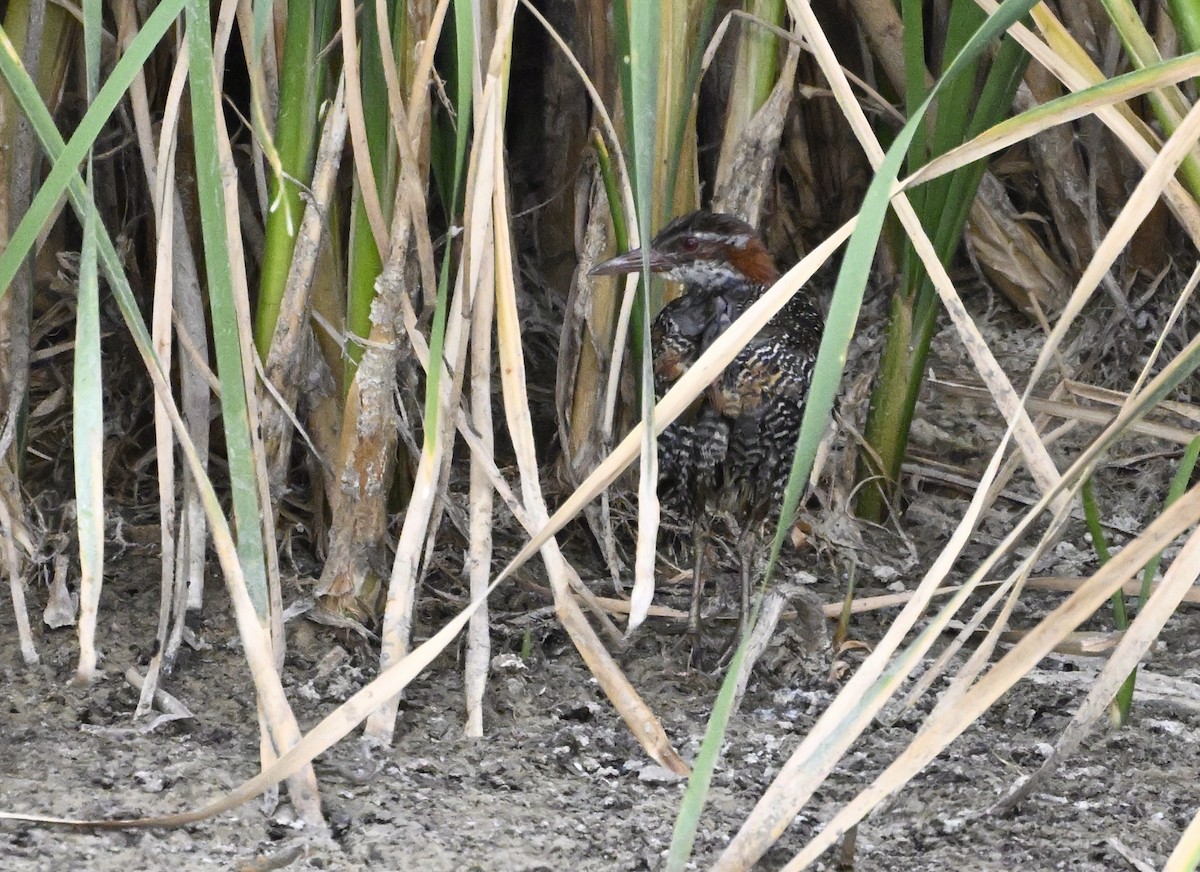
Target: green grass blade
(66,166)
(687,821)
(915,86)
(464,43)
(643,129)
(612,192)
(639,62)
(1186,15)
(88,435)
(263,10)
(643,126)
(855,271)
(1091,514)
(366,260)
(226,335)
(831,360)
(23,89)
(1183,475)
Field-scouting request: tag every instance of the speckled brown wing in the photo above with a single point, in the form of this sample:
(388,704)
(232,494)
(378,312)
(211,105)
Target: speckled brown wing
(761,395)
(693,448)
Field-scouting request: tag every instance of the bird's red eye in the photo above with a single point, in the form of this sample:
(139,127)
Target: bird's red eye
(690,243)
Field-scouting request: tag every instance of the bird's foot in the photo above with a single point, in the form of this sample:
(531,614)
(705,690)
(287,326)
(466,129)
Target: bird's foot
(691,646)
(726,656)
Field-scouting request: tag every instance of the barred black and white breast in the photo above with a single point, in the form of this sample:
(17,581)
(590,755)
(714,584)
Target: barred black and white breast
(732,450)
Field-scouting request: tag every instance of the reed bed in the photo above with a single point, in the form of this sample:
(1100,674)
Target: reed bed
(334,256)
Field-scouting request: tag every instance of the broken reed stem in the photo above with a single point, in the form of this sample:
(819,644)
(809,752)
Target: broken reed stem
(479,558)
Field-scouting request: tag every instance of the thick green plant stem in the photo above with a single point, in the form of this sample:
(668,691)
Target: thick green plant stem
(901,373)
(943,206)
(301,90)
(691,86)
(366,261)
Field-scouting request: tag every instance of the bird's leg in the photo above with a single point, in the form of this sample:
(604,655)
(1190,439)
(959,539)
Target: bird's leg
(747,550)
(747,547)
(699,548)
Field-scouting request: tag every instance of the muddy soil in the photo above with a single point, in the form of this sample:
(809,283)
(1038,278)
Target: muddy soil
(558,783)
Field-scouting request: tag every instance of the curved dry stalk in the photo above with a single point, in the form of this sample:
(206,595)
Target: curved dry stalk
(1135,642)
(1152,359)
(637,715)
(945,725)
(1186,855)
(172,599)
(1080,414)
(1007,399)
(332,729)
(859,702)
(1011,589)
(850,712)
(1026,125)
(481,453)
(16,579)
(1159,176)
(1131,131)
(183,566)
(786,795)
(402,585)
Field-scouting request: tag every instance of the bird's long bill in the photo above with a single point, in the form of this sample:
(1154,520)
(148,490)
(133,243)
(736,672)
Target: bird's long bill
(630,262)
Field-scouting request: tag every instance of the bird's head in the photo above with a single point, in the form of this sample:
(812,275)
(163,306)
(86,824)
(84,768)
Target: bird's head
(704,250)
